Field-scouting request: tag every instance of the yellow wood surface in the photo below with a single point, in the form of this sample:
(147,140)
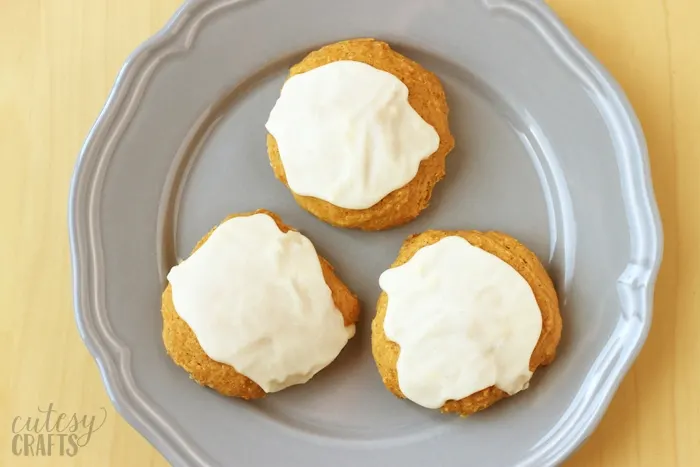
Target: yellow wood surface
(58,60)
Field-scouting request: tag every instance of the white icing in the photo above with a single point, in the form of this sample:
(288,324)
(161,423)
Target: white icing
(465,320)
(347,134)
(256,299)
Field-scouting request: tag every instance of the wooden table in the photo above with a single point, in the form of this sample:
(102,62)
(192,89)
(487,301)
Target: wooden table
(58,60)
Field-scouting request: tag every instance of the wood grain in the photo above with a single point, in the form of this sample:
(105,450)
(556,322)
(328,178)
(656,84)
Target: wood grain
(58,60)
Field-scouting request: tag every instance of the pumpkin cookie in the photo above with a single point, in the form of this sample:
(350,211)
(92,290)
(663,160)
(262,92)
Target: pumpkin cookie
(291,317)
(485,333)
(425,96)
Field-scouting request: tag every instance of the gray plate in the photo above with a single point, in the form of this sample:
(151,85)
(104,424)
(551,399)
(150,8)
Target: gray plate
(548,149)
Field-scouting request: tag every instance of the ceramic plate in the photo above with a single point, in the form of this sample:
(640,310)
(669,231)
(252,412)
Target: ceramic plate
(547,149)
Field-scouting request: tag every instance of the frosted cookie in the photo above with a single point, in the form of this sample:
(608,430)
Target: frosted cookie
(463,320)
(255,309)
(360,135)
